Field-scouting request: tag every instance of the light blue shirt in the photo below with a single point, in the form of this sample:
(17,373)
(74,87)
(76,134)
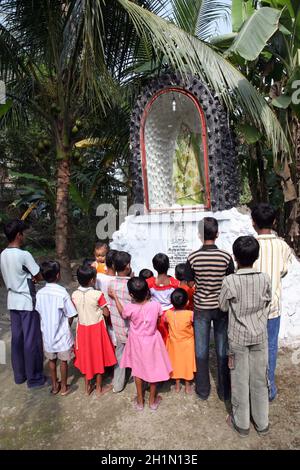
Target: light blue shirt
(17,268)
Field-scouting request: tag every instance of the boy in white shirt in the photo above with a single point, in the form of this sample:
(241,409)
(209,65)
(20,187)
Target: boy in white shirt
(20,272)
(56,310)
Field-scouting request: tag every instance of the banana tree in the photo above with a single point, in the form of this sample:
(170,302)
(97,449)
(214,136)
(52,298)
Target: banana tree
(64,59)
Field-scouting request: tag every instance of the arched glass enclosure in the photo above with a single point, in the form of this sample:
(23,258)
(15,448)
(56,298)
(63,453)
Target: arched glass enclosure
(174,156)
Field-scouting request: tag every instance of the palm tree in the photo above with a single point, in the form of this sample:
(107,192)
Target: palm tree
(63,60)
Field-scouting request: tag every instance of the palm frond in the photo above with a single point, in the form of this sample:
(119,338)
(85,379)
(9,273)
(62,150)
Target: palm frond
(186,14)
(190,55)
(211,13)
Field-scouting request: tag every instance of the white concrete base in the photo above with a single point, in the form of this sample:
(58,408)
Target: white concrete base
(176,234)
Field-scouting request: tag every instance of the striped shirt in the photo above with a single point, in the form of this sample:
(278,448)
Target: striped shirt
(120,326)
(55,308)
(208,267)
(246,296)
(274,258)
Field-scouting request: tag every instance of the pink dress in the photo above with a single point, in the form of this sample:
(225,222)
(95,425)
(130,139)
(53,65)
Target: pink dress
(145,352)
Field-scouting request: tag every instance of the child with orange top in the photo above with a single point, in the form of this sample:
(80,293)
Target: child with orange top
(180,343)
(161,288)
(100,252)
(180,276)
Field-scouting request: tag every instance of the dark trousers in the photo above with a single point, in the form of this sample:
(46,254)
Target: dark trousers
(273,332)
(202,326)
(27,348)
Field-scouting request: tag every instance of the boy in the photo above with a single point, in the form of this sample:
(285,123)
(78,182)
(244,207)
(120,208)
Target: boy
(56,311)
(274,258)
(247,295)
(100,252)
(20,271)
(146,274)
(207,267)
(122,266)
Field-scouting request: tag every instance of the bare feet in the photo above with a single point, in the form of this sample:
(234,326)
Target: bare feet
(102,390)
(188,389)
(55,390)
(88,389)
(65,390)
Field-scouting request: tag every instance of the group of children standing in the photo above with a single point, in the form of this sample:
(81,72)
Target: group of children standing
(157,326)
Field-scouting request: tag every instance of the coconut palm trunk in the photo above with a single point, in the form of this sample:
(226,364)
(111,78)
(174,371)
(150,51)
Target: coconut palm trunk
(62,218)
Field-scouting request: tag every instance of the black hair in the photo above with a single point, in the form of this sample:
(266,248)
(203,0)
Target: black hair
(179,298)
(50,270)
(146,274)
(85,274)
(88,261)
(246,250)
(161,263)
(13,227)
(110,258)
(122,259)
(263,215)
(138,288)
(101,245)
(180,272)
(208,228)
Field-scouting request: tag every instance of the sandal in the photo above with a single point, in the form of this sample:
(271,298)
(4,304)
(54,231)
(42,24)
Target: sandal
(156,403)
(137,406)
(56,392)
(63,394)
(234,427)
(173,389)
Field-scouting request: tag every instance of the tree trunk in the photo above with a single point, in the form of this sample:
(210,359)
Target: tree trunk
(62,216)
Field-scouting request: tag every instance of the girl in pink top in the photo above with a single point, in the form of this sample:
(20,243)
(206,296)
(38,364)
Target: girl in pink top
(145,352)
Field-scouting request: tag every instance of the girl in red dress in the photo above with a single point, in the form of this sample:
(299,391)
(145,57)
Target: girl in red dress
(93,348)
(161,289)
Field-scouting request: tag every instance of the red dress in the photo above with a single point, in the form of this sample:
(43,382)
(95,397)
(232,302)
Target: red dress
(93,349)
(162,294)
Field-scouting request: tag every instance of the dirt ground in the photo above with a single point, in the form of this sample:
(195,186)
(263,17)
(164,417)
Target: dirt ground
(38,420)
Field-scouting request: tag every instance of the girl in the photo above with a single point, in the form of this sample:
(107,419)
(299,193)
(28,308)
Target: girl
(94,350)
(180,276)
(145,352)
(161,289)
(180,344)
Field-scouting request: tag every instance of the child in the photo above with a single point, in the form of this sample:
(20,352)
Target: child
(103,279)
(94,350)
(20,272)
(161,289)
(247,295)
(100,252)
(180,343)
(275,256)
(57,312)
(119,285)
(207,267)
(145,352)
(146,274)
(180,276)
(102,283)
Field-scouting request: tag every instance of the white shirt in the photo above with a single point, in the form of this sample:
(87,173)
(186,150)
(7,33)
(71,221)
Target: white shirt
(55,307)
(18,267)
(102,283)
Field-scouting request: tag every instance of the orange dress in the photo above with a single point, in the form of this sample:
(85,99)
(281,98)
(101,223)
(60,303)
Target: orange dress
(190,292)
(101,268)
(180,344)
